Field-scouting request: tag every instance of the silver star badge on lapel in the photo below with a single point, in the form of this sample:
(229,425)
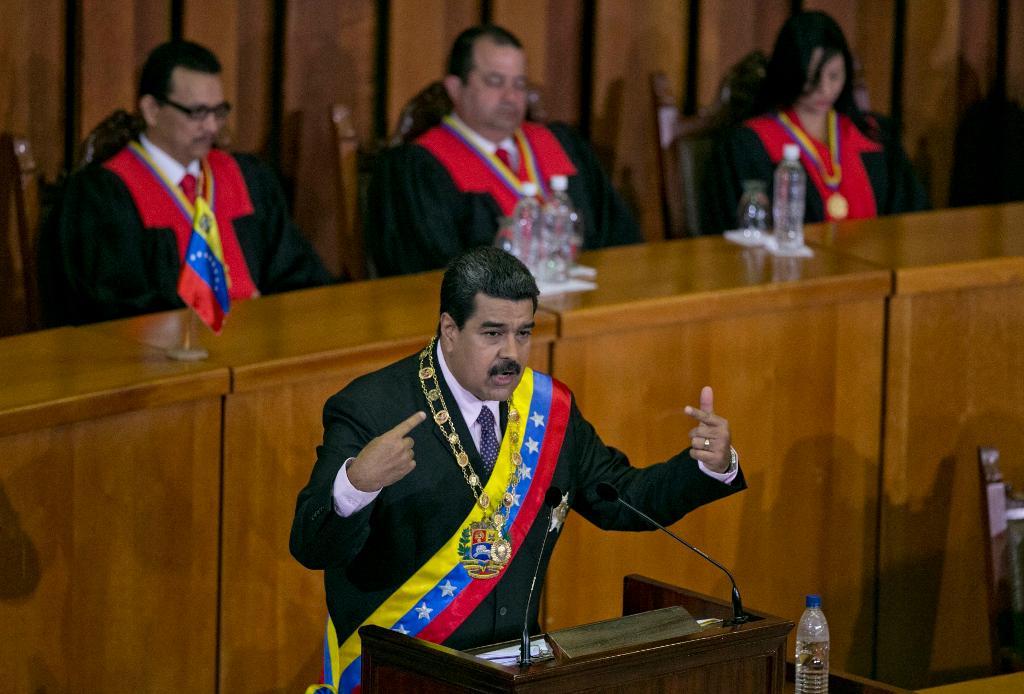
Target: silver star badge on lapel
(558,514)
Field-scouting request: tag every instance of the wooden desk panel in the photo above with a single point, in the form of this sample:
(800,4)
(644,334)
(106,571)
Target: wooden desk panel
(797,369)
(954,381)
(287,354)
(108,510)
(61,376)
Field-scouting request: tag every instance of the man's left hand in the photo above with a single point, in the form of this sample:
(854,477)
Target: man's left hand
(710,440)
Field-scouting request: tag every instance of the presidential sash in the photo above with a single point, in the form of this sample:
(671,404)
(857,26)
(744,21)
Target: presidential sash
(434,602)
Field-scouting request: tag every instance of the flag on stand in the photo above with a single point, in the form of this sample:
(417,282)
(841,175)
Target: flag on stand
(203,283)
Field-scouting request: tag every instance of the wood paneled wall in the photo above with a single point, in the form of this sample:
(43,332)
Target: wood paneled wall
(287,61)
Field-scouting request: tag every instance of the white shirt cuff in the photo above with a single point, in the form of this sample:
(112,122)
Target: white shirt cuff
(347,499)
(729,475)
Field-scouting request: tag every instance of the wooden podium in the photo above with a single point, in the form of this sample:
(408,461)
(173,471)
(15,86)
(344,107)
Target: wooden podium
(736,659)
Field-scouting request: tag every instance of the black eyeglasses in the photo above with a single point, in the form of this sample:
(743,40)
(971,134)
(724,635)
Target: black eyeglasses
(200,113)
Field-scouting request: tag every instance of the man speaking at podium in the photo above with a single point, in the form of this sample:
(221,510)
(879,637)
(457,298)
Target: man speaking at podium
(426,506)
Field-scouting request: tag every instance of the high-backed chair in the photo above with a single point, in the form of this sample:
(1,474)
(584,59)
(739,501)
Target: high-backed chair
(685,142)
(20,213)
(1004,568)
(108,138)
(350,228)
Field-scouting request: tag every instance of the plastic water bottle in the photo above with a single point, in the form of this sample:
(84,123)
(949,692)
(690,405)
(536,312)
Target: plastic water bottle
(812,649)
(788,202)
(526,224)
(558,227)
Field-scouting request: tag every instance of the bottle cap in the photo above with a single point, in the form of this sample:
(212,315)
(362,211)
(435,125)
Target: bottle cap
(813,600)
(529,189)
(791,152)
(559,183)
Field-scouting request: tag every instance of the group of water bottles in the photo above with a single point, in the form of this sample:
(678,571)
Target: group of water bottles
(789,193)
(546,235)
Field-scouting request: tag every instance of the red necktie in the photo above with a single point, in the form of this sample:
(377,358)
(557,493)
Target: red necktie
(504,157)
(188,187)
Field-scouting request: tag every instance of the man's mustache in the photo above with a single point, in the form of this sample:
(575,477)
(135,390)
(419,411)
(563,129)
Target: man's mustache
(506,367)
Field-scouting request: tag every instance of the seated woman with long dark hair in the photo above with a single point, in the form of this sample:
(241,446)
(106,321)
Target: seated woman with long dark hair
(855,166)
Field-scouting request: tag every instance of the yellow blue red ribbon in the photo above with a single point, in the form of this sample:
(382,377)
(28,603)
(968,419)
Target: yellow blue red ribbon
(807,146)
(506,175)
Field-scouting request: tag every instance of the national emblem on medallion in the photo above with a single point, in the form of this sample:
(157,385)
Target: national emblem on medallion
(484,550)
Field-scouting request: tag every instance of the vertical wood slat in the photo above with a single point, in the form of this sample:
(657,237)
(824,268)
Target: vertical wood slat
(631,42)
(216,26)
(550,32)
(929,92)
(329,48)
(31,77)
(728,31)
(421,33)
(115,37)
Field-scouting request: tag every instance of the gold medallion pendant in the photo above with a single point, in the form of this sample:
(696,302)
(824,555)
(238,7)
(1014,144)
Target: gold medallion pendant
(837,206)
(485,550)
(485,547)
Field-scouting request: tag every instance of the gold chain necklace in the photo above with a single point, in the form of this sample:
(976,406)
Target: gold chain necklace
(494,519)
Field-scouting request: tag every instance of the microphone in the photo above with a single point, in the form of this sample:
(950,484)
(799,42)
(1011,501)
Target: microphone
(610,493)
(552,499)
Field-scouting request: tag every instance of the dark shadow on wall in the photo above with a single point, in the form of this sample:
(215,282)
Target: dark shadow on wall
(19,559)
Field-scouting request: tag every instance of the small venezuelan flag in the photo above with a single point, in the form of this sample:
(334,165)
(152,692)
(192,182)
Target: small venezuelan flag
(203,283)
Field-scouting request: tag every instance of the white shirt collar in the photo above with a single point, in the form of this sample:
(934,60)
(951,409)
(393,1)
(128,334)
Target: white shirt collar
(508,144)
(469,404)
(168,165)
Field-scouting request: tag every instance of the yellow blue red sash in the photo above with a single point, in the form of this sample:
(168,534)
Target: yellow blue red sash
(439,597)
(507,176)
(172,188)
(830,179)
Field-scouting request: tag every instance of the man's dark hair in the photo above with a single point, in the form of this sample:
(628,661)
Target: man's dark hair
(156,73)
(460,60)
(487,269)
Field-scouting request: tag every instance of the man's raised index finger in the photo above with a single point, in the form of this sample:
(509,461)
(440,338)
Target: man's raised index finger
(410,423)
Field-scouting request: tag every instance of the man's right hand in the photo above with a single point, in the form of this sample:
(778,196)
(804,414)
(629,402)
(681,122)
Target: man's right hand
(386,459)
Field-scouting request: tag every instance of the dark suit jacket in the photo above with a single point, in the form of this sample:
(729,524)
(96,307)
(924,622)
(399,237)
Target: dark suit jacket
(367,556)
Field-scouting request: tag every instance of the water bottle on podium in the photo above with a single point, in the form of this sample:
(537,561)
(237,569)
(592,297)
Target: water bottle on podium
(812,649)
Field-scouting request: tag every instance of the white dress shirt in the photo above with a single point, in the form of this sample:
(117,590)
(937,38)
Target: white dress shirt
(168,165)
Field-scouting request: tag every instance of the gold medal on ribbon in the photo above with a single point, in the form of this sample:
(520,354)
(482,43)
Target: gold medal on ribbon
(485,547)
(837,206)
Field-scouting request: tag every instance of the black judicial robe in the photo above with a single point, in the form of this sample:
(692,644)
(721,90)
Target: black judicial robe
(366,556)
(741,155)
(419,220)
(97,262)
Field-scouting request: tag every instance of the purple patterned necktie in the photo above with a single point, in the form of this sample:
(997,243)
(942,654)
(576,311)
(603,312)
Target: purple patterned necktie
(488,440)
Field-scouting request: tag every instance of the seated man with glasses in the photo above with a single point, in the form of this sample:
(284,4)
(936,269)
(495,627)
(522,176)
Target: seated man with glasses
(116,245)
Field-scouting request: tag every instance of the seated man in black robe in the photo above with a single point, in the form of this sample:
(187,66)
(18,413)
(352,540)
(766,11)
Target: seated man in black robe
(445,192)
(115,246)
